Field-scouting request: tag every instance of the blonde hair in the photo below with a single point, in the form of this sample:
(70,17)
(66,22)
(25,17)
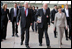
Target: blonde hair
(66,4)
(4,6)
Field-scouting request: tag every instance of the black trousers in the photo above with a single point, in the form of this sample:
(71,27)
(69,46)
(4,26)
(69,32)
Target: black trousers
(4,29)
(14,26)
(27,35)
(66,31)
(40,31)
(55,33)
(34,26)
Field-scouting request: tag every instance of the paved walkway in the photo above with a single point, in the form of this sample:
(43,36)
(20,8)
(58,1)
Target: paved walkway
(14,42)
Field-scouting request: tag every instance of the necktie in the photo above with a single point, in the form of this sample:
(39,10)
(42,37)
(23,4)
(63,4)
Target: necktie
(25,11)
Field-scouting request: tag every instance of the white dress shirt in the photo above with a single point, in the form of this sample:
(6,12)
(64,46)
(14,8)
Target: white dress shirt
(44,10)
(15,12)
(67,13)
(26,11)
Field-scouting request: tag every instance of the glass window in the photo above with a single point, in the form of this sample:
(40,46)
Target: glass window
(21,1)
(45,2)
(17,1)
(14,1)
(62,2)
(53,2)
(69,2)
(38,1)
(27,1)
(32,1)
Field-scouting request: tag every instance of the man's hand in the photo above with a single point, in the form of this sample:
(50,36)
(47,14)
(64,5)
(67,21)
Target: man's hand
(17,23)
(38,22)
(48,25)
(31,24)
(9,21)
(19,20)
(47,16)
(52,21)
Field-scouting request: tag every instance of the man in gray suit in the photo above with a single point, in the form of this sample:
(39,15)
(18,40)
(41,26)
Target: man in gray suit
(60,22)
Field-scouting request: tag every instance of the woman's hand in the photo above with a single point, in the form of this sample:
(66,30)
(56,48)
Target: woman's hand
(66,27)
(54,29)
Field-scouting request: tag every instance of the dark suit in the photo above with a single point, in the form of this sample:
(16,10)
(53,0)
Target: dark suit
(68,22)
(43,26)
(19,7)
(53,12)
(36,24)
(25,24)
(4,21)
(33,17)
(13,20)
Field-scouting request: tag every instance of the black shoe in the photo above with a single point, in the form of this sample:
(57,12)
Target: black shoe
(27,46)
(48,46)
(70,38)
(1,40)
(40,44)
(67,39)
(61,44)
(4,38)
(21,43)
(55,36)
(33,30)
(12,35)
(17,35)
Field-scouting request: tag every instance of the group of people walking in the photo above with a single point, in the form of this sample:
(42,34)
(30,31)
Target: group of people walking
(28,16)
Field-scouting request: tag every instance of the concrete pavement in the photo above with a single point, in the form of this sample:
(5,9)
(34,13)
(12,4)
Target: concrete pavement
(14,42)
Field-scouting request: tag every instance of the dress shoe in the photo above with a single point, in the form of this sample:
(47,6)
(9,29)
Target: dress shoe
(67,39)
(17,35)
(1,40)
(40,44)
(55,36)
(27,46)
(4,38)
(61,44)
(48,46)
(12,35)
(70,38)
(33,30)
(21,43)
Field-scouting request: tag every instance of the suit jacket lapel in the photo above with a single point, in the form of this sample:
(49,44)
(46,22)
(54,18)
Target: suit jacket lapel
(65,11)
(24,12)
(42,11)
(13,11)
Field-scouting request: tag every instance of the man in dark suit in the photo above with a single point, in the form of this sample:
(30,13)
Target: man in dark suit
(13,16)
(26,21)
(43,25)
(53,12)
(36,24)
(67,12)
(19,6)
(34,12)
